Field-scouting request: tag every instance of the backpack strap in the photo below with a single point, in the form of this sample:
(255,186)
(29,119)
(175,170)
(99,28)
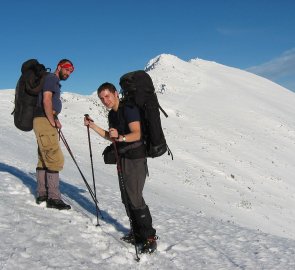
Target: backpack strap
(162,110)
(169,152)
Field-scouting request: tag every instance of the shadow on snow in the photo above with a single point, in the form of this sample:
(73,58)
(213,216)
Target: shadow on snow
(73,192)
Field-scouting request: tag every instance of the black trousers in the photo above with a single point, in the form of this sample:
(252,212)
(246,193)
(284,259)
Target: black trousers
(134,174)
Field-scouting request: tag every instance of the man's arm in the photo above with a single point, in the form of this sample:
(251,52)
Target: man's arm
(133,136)
(100,131)
(47,102)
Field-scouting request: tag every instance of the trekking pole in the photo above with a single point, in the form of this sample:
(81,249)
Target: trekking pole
(83,177)
(124,195)
(91,160)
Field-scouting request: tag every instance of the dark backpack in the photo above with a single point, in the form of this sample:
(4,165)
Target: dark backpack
(27,89)
(137,88)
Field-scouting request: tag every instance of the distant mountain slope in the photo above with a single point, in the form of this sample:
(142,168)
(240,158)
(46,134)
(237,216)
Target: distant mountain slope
(235,134)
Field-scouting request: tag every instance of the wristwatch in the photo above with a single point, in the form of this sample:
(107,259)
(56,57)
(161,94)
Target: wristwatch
(124,139)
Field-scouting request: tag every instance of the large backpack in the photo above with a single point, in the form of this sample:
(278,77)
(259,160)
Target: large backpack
(137,88)
(27,89)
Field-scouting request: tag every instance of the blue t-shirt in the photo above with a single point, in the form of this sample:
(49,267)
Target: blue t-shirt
(52,84)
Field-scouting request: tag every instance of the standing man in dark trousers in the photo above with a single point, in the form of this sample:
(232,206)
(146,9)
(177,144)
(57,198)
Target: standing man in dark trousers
(46,125)
(125,130)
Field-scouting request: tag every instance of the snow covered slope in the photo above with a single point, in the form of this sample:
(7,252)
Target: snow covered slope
(233,137)
(226,201)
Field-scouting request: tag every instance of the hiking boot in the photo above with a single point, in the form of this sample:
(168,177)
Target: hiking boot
(129,238)
(57,204)
(149,245)
(41,199)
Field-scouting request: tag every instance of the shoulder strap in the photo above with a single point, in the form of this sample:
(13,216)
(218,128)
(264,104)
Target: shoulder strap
(162,110)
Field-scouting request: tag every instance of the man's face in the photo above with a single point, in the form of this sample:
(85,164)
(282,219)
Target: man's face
(65,71)
(109,99)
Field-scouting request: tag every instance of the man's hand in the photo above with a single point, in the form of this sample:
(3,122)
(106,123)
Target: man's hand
(113,133)
(58,124)
(87,120)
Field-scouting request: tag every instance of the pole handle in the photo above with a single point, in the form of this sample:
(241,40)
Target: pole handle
(87,117)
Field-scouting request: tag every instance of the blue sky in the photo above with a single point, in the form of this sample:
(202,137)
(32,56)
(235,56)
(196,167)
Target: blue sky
(106,39)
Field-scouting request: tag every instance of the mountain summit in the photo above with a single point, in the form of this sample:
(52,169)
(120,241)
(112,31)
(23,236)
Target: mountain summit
(234,132)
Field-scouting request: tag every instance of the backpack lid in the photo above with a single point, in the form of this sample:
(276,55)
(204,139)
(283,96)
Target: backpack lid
(29,64)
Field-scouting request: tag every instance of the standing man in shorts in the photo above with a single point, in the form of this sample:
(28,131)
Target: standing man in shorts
(46,125)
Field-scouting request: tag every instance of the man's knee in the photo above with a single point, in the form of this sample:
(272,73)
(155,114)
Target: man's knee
(56,165)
